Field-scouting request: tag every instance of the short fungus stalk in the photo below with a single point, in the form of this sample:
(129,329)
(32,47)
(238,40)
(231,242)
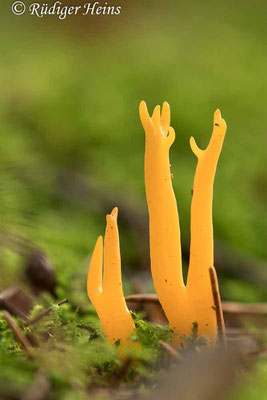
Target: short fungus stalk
(193,302)
(107,295)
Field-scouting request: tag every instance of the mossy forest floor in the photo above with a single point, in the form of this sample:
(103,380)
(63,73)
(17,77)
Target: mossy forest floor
(59,351)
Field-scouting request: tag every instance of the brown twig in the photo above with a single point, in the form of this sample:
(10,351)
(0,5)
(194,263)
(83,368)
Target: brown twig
(143,298)
(230,307)
(170,350)
(16,302)
(218,306)
(18,334)
(44,313)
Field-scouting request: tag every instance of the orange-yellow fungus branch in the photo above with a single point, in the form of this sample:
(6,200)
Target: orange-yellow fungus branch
(108,298)
(193,303)
(201,247)
(164,230)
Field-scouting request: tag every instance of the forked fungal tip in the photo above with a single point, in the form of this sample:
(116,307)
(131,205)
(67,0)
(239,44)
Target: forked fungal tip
(142,105)
(194,147)
(217,113)
(113,215)
(114,212)
(192,141)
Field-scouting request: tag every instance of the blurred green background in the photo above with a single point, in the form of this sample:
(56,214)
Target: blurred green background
(72,145)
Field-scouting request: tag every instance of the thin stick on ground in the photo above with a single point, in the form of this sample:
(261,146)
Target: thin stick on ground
(255,309)
(44,313)
(143,298)
(230,307)
(18,334)
(170,350)
(218,306)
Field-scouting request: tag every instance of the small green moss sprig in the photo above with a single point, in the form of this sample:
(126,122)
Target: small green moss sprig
(194,342)
(149,335)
